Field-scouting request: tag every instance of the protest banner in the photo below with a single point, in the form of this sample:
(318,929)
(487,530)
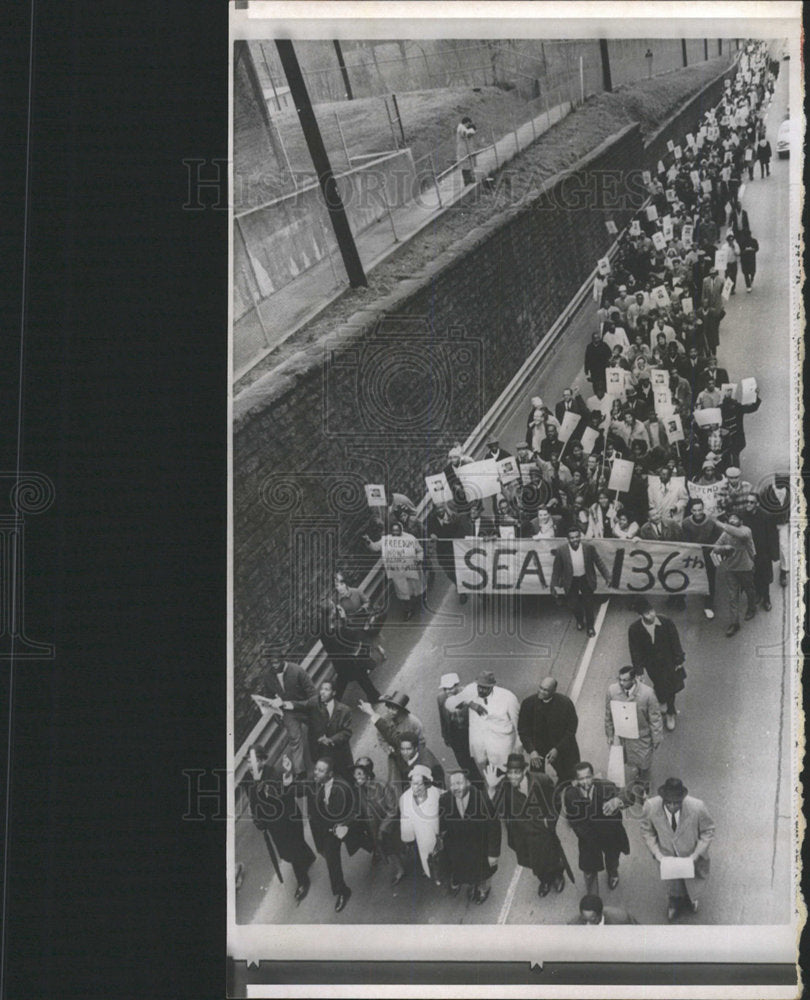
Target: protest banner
(524,565)
(375,495)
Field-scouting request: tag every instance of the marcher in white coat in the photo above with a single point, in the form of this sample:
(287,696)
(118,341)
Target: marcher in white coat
(419,814)
(402,559)
(493,719)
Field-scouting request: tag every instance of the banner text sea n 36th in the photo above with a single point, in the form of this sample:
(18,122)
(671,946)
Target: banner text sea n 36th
(524,566)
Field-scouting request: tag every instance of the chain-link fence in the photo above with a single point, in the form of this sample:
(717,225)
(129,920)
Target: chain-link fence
(406,97)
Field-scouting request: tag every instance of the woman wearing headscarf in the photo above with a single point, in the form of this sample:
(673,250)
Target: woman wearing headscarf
(419,815)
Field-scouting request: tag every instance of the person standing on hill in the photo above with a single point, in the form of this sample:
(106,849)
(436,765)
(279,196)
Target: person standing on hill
(465,130)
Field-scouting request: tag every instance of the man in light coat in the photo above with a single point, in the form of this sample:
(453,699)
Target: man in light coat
(638,751)
(493,712)
(675,825)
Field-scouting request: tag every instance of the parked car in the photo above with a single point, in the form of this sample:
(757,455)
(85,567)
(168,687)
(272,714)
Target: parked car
(784,139)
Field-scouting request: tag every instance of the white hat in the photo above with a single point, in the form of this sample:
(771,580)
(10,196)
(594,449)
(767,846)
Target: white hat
(537,402)
(454,453)
(421,771)
(449,680)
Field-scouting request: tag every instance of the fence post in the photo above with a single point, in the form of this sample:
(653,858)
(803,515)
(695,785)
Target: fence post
(390,122)
(435,180)
(607,83)
(581,81)
(683,52)
(343,70)
(531,116)
(399,119)
(343,140)
(706,49)
(494,149)
(390,216)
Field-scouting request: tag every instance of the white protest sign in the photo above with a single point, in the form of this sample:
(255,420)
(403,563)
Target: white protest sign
(690,139)
(727,287)
(748,391)
(508,470)
(678,152)
(658,241)
(673,428)
(254,765)
(652,213)
(660,296)
(672,868)
(741,192)
(480,479)
(687,305)
(615,381)
(686,234)
(603,265)
(694,176)
(635,228)
(659,378)
(620,475)
(670,145)
(708,493)
(720,258)
(749,153)
(375,495)
(610,225)
(438,489)
(588,440)
(662,397)
(706,185)
(570,422)
(666,228)
(669,194)
(660,167)
(625,719)
(729,389)
(708,417)
(506,530)
(646,176)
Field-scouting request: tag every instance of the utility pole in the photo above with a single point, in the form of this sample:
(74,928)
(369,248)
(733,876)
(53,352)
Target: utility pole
(320,160)
(343,70)
(607,83)
(683,51)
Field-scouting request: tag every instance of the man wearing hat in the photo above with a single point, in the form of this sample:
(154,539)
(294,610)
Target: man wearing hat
(547,726)
(471,835)
(493,718)
(597,358)
(735,492)
(675,825)
(655,648)
(392,720)
(593,912)
(455,726)
(524,800)
(290,689)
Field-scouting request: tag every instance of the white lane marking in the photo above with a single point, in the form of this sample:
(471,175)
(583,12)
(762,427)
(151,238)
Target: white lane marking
(579,680)
(585,662)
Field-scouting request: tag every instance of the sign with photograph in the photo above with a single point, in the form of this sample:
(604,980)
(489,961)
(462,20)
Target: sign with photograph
(438,489)
(375,495)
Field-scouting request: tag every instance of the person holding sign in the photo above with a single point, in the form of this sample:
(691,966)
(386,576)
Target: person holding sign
(733,413)
(289,687)
(655,649)
(678,828)
(574,570)
(402,559)
(633,721)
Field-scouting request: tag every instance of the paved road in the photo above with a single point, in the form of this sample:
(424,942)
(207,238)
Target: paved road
(732,745)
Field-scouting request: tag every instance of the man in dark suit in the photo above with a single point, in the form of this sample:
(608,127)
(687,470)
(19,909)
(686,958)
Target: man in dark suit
(455,727)
(593,807)
(775,501)
(481,525)
(495,452)
(547,727)
(330,730)
(275,811)
(408,754)
(592,911)
(572,403)
(471,834)
(712,308)
(711,371)
(655,647)
(331,810)
(765,535)
(574,570)
(291,690)
(597,358)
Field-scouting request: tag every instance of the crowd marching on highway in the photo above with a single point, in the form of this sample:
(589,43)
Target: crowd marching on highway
(653,450)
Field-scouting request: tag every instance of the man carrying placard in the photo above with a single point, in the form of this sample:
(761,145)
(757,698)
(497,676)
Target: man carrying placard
(633,721)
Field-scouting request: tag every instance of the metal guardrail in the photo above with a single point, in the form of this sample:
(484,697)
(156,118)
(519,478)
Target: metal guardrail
(267,730)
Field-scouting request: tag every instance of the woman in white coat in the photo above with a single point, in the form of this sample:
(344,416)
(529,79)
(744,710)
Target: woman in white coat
(419,814)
